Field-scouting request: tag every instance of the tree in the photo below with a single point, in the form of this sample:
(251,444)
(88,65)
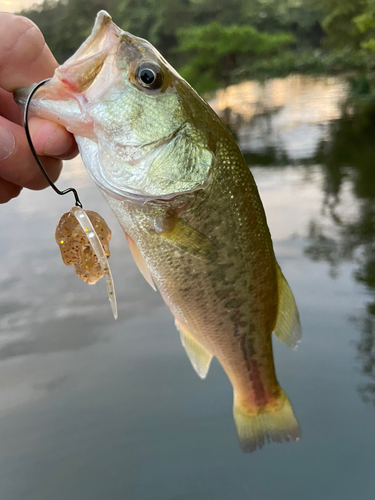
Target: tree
(365,22)
(216,51)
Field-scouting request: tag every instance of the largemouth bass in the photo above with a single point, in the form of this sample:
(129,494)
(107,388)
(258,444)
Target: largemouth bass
(187,201)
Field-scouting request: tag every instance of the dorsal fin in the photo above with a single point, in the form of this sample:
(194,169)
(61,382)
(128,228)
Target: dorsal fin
(288,326)
(199,356)
(139,260)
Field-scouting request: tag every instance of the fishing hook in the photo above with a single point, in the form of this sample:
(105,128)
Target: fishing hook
(26,125)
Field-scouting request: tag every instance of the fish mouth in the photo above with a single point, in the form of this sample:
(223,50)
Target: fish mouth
(78,72)
(72,81)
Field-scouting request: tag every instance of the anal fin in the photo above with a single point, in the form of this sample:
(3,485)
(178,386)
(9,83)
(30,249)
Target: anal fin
(288,326)
(199,356)
(139,260)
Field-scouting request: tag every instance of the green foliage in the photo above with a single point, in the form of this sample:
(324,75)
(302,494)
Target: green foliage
(350,29)
(365,23)
(338,23)
(216,51)
(306,61)
(217,40)
(348,23)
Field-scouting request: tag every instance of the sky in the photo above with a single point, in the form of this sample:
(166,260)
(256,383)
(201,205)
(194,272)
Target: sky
(16,5)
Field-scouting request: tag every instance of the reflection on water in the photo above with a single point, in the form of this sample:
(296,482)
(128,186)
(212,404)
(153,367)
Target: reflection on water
(91,408)
(287,117)
(346,229)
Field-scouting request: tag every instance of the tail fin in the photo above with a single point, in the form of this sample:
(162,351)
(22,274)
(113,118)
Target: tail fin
(269,423)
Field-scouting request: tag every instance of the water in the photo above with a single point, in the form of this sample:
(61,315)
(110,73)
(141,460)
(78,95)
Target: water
(94,409)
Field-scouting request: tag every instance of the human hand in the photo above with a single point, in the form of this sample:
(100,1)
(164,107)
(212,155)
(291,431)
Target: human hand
(26,59)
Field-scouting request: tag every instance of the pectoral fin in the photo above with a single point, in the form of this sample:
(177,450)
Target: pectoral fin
(199,356)
(182,235)
(139,260)
(288,327)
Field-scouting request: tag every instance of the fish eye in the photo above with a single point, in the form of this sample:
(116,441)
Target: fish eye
(149,75)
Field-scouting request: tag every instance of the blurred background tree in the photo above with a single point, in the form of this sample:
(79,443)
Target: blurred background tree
(217,51)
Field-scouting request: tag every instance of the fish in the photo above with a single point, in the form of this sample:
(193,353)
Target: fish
(185,197)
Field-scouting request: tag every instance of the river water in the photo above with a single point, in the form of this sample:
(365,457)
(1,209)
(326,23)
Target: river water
(93,409)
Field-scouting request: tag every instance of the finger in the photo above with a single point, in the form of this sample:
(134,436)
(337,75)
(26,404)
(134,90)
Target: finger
(18,166)
(51,139)
(25,57)
(8,190)
(8,108)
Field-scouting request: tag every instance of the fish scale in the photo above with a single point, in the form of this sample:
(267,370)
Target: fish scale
(232,294)
(182,192)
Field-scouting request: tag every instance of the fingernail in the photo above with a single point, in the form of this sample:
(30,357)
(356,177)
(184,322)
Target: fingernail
(7,143)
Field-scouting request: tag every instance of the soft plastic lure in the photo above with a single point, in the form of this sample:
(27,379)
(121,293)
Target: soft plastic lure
(83,238)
